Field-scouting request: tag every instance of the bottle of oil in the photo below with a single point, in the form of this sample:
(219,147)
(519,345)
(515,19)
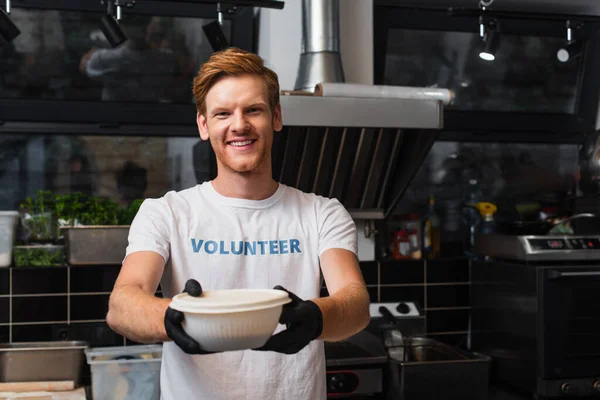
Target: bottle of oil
(431,231)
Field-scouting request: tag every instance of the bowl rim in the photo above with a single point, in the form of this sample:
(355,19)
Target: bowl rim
(180,303)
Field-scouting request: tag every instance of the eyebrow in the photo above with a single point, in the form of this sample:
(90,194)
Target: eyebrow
(223,108)
(259,103)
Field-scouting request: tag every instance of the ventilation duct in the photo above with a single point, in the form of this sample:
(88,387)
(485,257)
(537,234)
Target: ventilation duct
(320,60)
(362,151)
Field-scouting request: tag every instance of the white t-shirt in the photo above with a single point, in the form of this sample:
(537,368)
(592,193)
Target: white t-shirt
(228,243)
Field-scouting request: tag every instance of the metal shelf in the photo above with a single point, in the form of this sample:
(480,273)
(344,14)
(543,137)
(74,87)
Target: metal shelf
(372,214)
(361,112)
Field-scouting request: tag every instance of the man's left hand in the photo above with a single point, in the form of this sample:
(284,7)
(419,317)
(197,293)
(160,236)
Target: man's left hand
(304,322)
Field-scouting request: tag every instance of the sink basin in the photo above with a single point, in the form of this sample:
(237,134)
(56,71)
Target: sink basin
(42,361)
(424,350)
(423,368)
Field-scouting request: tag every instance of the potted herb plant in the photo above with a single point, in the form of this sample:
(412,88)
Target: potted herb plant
(95,229)
(38,221)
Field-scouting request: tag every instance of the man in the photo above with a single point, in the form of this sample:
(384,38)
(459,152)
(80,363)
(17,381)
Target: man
(289,239)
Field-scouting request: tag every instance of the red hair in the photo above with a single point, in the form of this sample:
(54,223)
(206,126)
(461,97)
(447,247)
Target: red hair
(233,62)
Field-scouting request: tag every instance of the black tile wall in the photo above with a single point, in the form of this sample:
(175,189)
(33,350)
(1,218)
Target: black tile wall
(4,281)
(448,321)
(448,296)
(439,287)
(70,303)
(373,294)
(4,310)
(4,334)
(370,272)
(39,280)
(94,278)
(60,303)
(32,309)
(401,272)
(88,307)
(32,333)
(403,293)
(447,271)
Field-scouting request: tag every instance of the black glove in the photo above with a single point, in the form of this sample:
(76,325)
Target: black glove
(174,318)
(304,322)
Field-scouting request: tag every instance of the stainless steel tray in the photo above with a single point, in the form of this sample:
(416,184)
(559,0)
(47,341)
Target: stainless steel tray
(42,361)
(426,369)
(88,245)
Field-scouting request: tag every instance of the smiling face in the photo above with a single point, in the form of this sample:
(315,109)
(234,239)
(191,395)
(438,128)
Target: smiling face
(239,123)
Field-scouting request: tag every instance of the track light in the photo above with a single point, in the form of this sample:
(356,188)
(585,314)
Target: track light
(569,52)
(572,48)
(8,30)
(491,44)
(213,30)
(111,29)
(109,23)
(490,35)
(215,36)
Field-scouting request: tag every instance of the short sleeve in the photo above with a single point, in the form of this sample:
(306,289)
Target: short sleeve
(150,229)
(336,228)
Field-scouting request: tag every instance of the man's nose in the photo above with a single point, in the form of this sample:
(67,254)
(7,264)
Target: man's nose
(239,123)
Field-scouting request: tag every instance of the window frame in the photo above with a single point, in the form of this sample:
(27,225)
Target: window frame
(120,118)
(503,126)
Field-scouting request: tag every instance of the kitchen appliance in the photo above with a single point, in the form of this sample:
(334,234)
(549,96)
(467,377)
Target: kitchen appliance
(535,310)
(421,368)
(357,367)
(540,248)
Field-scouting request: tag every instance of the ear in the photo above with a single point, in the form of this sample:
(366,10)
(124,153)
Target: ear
(277,120)
(202,126)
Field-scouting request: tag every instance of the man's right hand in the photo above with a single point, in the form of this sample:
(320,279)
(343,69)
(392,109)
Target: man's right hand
(174,319)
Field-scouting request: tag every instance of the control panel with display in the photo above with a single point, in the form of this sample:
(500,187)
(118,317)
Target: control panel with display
(561,244)
(538,248)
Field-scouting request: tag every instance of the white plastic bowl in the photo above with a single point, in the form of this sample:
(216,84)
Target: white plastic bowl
(235,319)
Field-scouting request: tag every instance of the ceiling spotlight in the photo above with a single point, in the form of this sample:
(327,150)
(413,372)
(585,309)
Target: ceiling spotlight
(109,23)
(8,30)
(572,48)
(112,31)
(491,44)
(215,36)
(570,51)
(213,30)
(490,35)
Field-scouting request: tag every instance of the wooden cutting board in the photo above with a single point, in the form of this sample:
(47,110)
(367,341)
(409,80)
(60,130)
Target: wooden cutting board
(77,394)
(49,386)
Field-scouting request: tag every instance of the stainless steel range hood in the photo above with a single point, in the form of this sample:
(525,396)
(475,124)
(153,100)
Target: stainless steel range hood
(362,151)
